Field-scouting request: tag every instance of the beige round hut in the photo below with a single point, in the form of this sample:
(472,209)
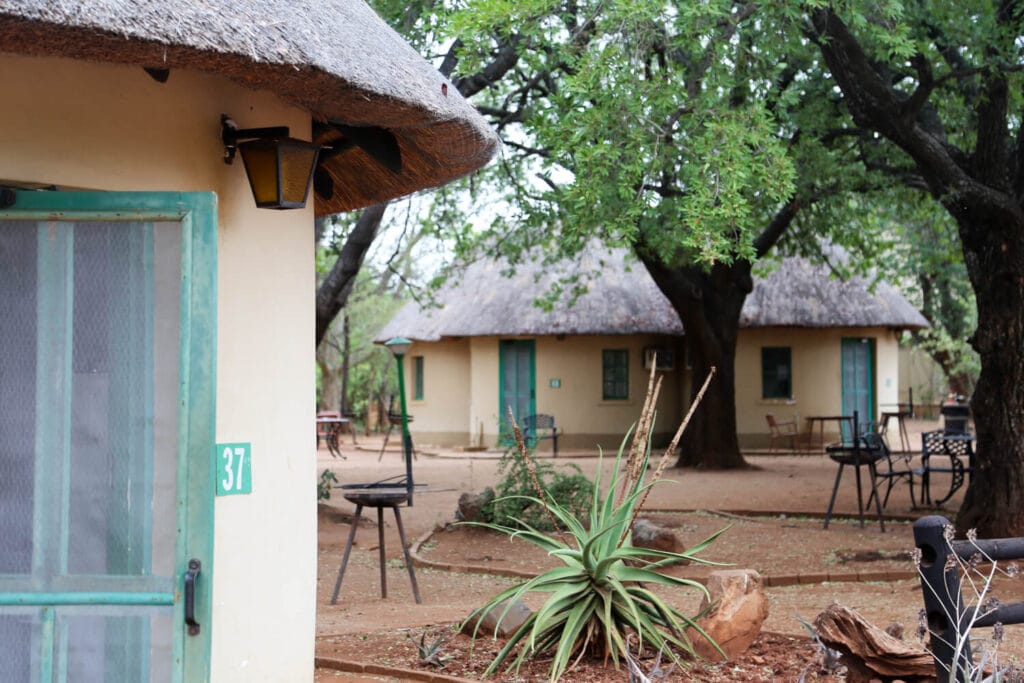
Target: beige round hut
(809,345)
(157,452)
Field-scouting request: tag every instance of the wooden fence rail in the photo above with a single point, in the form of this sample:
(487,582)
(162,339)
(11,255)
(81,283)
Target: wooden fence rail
(949,619)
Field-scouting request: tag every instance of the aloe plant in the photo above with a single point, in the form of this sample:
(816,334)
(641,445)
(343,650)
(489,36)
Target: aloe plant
(600,596)
(430,653)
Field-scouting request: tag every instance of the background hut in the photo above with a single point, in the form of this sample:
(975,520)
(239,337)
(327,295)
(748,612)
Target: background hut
(809,343)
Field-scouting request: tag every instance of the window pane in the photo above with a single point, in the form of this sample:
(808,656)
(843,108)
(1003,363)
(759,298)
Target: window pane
(776,372)
(615,374)
(17,401)
(124,391)
(417,373)
(115,643)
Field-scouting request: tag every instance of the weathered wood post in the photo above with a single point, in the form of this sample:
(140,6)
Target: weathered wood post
(943,603)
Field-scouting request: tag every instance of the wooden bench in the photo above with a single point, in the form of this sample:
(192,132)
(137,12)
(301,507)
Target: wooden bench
(537,427)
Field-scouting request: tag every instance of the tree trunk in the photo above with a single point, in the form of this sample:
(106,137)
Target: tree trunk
(709,305)
(346,360)
(961,383)
(994,253)
(330,389)
(336,287)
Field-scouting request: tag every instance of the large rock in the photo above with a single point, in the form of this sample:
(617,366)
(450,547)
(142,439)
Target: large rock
(739,607)
(517,614)
(471,505)
(648,534)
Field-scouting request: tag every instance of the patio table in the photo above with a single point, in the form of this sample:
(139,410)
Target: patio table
(333,427)
(840,420)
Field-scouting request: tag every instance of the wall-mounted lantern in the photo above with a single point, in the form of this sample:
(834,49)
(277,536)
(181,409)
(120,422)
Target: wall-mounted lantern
(279,167)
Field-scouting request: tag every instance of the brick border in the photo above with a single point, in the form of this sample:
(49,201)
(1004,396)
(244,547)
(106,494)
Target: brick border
(371,669)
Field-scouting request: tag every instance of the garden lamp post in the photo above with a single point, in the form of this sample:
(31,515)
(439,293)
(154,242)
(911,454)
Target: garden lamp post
(399,346)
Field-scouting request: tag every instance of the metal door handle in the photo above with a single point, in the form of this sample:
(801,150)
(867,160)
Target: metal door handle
(194,566)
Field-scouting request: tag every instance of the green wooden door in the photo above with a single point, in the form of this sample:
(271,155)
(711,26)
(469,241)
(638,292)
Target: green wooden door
(106,433)
(516,369)
(857,360)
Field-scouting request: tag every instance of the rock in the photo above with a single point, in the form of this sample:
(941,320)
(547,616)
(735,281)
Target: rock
(517,614)
(471,505)
(648,534)
(738,608)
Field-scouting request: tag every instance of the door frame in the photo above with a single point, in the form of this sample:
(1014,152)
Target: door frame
(197,214)
(504,431)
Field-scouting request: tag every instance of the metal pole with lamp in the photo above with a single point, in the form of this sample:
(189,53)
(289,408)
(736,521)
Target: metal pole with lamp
(399,346)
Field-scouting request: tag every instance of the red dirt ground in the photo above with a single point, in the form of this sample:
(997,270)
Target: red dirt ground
(778,532)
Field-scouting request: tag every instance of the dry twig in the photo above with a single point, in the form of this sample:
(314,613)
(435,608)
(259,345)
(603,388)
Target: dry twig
(531,467)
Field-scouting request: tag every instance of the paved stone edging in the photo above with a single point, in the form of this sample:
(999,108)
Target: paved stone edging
(770,580)
(371,669)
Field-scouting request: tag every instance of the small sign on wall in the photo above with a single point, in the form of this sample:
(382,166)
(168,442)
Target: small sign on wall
(555,384)
(234,468)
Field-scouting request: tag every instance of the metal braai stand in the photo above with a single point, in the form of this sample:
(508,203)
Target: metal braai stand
(855,455)
(378,496)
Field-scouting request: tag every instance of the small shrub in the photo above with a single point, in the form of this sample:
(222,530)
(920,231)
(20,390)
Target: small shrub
(323,487)
(512,503)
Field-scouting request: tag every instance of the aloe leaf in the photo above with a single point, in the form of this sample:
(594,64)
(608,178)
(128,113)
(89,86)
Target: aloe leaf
(574,624)
(693,550)
(561,600)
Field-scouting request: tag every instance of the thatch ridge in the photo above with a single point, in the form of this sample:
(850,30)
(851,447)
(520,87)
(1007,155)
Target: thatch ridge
(334,58)
(625,300)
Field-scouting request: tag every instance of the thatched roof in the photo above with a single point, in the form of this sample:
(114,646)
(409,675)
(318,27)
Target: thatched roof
(334,58)
(625,300)
(799,293)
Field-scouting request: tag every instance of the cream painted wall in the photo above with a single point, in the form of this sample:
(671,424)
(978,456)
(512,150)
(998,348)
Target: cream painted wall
(470,390)
(816,375)
(469,385)
(445,403)
(114,128)
(483,391)
(577,405)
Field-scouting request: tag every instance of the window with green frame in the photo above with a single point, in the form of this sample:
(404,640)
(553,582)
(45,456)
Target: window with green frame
(615,374)
(776,372)
(417,374)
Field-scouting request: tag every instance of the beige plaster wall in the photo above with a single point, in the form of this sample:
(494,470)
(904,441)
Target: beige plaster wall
(470,390)
(114,128)
(445,403)
(817,384)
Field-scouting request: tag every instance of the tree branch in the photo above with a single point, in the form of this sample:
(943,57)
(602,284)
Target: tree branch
(728,28)
(336,287)
(874,104)
(505,58)
(776,228)
(925,85)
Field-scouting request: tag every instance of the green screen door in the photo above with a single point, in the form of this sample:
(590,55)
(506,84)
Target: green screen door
(106,419)
(857,361)
(516,367)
